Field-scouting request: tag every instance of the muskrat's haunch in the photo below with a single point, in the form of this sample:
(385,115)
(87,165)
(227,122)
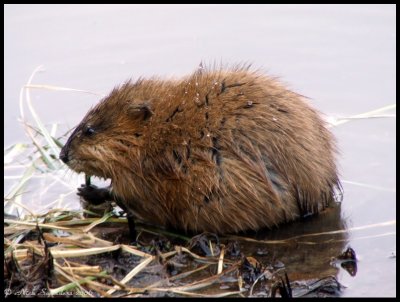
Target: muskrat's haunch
(219,150)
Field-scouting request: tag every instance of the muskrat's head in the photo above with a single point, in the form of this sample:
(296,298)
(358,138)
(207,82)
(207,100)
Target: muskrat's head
(108,139)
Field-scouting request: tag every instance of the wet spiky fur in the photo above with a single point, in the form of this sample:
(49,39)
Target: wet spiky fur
(222,150)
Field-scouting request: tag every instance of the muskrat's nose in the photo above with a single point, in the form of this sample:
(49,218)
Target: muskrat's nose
(64,154)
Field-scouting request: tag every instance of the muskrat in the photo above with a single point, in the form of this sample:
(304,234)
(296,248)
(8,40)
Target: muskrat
(221,150)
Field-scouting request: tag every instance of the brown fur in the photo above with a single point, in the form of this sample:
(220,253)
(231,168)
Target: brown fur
(219,150)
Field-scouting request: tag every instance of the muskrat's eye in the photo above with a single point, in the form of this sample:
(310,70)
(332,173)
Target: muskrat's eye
(89,131)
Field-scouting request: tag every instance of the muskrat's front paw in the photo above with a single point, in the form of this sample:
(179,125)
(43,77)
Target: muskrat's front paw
(93,194)
(96,201)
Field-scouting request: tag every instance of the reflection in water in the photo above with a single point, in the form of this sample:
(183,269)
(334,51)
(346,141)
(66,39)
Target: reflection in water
(306,248)
(348,261)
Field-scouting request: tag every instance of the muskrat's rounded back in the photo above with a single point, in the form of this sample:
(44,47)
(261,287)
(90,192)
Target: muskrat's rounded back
(219,150)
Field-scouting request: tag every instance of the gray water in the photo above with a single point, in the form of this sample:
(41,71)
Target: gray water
(341,56)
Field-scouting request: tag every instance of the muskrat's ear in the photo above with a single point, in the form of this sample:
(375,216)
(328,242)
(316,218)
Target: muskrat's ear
(140,111)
